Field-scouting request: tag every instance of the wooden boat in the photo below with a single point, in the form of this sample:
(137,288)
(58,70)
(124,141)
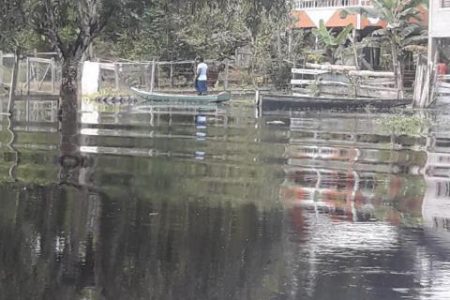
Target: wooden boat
(183,98)
(293,102)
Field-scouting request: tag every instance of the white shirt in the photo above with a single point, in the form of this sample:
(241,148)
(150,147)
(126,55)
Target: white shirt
(202,69)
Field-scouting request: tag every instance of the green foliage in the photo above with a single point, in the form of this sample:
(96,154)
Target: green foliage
(106,92)
(330,40)
(401,32)
(12,19)
(281,74)
(163,29)
(402,124)
(178,30)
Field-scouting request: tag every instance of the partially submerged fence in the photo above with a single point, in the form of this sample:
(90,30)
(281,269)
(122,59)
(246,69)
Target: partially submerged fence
(175,75)
(337,80)
(38,74)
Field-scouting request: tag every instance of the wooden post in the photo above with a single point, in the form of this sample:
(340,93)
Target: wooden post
(419,80)
(433,78)
(225,83)
(147,76)
(355,51)
(13,82)
(53,74)
(158,75)
(1,68)
(152,77)
(28,75)
(116,75)
(35,70)
(171,74)
(289,44)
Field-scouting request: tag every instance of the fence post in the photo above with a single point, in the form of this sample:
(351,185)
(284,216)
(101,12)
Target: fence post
(1,68)
(28,75)
(53,72)
(225,83)
(116,75)
(171,74)
(158,74)
(147,76)
(152,78)
(12,88)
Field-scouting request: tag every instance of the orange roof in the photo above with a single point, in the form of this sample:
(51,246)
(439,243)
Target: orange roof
(365,22)
(337,21)
(302,20)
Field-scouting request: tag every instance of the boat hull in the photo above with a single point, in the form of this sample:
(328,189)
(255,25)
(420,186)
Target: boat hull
(200,99)
(287,103)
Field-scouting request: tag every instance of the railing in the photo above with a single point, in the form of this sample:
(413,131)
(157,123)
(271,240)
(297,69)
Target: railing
(338,80)
(302,4)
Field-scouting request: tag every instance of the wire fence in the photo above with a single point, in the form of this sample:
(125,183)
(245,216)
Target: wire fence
(35,74)
(42,74)
(177,75)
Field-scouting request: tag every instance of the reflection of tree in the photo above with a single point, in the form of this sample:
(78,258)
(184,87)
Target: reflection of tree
(141,249)
(188,250)
(70,158)
(165,230)
(36,244)
(10,144)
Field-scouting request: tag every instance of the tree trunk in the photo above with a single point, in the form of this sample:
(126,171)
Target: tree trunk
(69,157)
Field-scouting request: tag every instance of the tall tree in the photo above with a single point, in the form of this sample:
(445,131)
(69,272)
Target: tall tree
(70,27)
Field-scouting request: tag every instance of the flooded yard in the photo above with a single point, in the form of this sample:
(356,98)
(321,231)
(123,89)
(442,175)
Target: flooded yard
(223,203)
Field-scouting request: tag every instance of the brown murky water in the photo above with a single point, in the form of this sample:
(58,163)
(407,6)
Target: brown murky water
(222,204)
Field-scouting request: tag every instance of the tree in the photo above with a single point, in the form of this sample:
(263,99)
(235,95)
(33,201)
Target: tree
(69,27)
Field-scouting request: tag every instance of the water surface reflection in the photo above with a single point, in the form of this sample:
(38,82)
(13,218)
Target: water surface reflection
(217,204)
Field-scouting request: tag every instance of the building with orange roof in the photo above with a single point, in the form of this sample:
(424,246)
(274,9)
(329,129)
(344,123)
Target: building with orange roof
(310,12)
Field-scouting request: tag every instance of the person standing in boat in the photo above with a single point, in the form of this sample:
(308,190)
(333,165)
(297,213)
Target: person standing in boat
(201,79)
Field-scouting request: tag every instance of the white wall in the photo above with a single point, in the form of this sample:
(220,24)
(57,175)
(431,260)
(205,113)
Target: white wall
(439,20)
(90,78)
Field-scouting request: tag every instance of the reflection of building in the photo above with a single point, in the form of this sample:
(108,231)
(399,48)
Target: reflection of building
(351,175)
(340,194)
(439,14)
(436,203)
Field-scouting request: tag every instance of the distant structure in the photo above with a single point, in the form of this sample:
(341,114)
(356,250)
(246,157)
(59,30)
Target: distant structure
(310,12)
(439,34)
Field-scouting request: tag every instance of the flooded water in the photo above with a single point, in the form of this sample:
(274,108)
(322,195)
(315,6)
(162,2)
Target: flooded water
(227,203)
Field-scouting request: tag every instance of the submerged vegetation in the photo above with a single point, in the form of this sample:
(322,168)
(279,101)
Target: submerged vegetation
(403,124)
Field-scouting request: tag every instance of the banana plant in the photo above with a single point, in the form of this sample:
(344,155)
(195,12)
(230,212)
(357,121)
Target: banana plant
(403,28)
(330,40)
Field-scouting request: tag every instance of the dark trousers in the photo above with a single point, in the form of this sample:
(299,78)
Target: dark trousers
(201,86)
